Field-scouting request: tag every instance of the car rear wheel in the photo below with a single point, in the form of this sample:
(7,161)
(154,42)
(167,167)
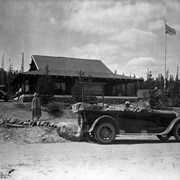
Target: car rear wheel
(164,137)
(177,131)
(105,133)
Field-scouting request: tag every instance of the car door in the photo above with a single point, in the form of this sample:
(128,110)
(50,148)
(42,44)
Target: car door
(137,122)
(147,121)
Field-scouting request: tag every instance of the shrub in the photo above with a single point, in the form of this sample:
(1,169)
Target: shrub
(45,99)
(55,108)
(91,99)
(24,106)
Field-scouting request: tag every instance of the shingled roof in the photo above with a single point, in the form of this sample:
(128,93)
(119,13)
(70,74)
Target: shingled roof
(64,66)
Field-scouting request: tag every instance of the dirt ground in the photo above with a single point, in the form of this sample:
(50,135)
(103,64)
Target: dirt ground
(129,159)
(36,156)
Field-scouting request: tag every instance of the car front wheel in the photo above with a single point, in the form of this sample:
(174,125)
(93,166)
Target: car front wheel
(105,133)
(164,137)
(177,131)
(90,137)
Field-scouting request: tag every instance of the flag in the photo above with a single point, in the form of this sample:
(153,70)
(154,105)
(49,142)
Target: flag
(170,30)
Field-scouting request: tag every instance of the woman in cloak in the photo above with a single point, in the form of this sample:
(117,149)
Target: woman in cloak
(36,107)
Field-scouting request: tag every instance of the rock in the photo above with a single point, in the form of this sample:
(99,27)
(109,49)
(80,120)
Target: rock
(34,123)
(69,132)
(31,122)
(20,122)
(17,121)
(26,123)
(47,123)
(42,122)
(12,121)
(52,125)
(2,122)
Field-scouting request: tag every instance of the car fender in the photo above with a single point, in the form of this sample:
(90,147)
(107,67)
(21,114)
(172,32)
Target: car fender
(170,126)
(107,119)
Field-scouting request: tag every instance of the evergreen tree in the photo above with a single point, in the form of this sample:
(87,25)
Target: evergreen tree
(149,83)
(163,97)
(10,76)
(77,88)
(45,86)
(176,90)
(22,63)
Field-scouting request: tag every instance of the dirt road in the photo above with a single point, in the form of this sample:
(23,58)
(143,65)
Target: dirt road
(128,158)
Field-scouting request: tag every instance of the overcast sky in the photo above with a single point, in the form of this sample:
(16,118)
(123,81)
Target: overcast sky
(127,35)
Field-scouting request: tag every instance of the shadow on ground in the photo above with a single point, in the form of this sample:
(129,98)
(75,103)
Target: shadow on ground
(142,141)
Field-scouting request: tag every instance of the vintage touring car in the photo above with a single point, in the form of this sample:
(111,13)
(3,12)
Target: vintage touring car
(104,125)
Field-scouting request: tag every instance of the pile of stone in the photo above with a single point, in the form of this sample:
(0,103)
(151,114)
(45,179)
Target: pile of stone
(20,123)
(69,131)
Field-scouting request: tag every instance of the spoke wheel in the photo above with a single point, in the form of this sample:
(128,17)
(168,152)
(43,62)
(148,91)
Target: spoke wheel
(105,133)
(164,137)
(177,131)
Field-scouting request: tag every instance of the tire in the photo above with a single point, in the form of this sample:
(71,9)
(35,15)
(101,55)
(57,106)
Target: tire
(177,131)
(164,137)
(90,137)
(105,133)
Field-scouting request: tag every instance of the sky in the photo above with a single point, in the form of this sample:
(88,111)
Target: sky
(126,35)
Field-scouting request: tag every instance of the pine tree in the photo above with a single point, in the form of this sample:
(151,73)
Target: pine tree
(149,83)
(10,76)
(46,86)
(176,89)
(22,63)
(166,96)
(77,88)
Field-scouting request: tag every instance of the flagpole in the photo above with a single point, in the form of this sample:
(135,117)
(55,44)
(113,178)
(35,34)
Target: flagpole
(170,31)
(165,51)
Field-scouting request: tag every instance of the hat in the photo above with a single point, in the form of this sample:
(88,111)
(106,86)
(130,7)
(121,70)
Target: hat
(127,102)
(35,94)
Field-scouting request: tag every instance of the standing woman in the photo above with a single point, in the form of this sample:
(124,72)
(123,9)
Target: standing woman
(36,107)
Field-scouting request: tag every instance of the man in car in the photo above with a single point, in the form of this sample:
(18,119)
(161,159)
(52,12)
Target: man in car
(127,106)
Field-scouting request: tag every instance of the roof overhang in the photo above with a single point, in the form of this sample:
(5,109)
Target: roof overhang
(86,74)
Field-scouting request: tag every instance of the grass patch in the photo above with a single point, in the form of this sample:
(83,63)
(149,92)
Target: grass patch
(23,106)
(55,108)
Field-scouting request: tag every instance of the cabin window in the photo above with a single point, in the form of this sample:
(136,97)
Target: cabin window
(60,88)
